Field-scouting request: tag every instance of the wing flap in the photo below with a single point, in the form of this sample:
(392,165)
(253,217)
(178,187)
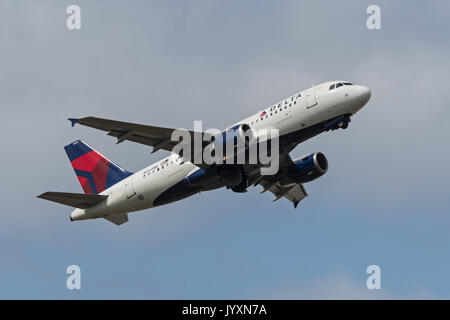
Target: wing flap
(293,192)
(77,200)
(282,185)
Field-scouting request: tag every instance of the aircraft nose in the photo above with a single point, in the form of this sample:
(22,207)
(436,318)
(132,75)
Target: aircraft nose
(364,94)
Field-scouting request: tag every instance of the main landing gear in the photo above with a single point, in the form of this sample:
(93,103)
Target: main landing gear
(342,124)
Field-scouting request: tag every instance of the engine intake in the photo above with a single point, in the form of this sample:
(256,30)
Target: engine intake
(309,168)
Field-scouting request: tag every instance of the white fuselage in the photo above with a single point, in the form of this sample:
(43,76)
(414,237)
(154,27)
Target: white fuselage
(300,111)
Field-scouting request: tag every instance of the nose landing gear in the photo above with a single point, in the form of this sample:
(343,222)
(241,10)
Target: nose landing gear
(337,123)
(344,124)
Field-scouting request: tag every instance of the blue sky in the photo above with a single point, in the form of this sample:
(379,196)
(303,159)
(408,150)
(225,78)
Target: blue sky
(384,200)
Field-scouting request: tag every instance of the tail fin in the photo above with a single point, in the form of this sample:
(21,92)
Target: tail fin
(95,172)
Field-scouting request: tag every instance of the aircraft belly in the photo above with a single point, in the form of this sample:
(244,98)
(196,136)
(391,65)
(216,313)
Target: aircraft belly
(160,183)
(178,188)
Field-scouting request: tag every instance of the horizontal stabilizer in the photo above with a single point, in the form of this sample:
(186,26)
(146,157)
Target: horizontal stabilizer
(77,200)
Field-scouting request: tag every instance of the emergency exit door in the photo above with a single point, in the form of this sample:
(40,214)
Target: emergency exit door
(311,97)
(129,188)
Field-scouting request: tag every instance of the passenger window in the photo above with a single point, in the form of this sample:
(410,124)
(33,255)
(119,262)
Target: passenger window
(332,87)
(339,85)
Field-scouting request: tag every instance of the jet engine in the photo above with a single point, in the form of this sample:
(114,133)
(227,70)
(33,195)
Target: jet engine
(309,168)
(233,141)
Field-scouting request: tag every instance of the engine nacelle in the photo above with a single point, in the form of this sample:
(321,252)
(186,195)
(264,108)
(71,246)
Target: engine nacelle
(233,141)
(309,168)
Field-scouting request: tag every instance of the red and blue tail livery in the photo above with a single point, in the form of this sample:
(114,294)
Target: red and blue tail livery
(94,171)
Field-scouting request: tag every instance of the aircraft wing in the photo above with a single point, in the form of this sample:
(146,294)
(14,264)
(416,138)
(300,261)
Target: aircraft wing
(82,201)
(156,137)
(281,184)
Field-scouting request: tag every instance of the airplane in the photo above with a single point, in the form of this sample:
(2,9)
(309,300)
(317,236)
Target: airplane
(111,192)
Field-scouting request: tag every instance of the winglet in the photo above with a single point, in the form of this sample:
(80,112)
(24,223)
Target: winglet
(73,121)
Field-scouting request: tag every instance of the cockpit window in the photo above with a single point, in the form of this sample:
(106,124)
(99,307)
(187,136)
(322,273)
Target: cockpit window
(340,84)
